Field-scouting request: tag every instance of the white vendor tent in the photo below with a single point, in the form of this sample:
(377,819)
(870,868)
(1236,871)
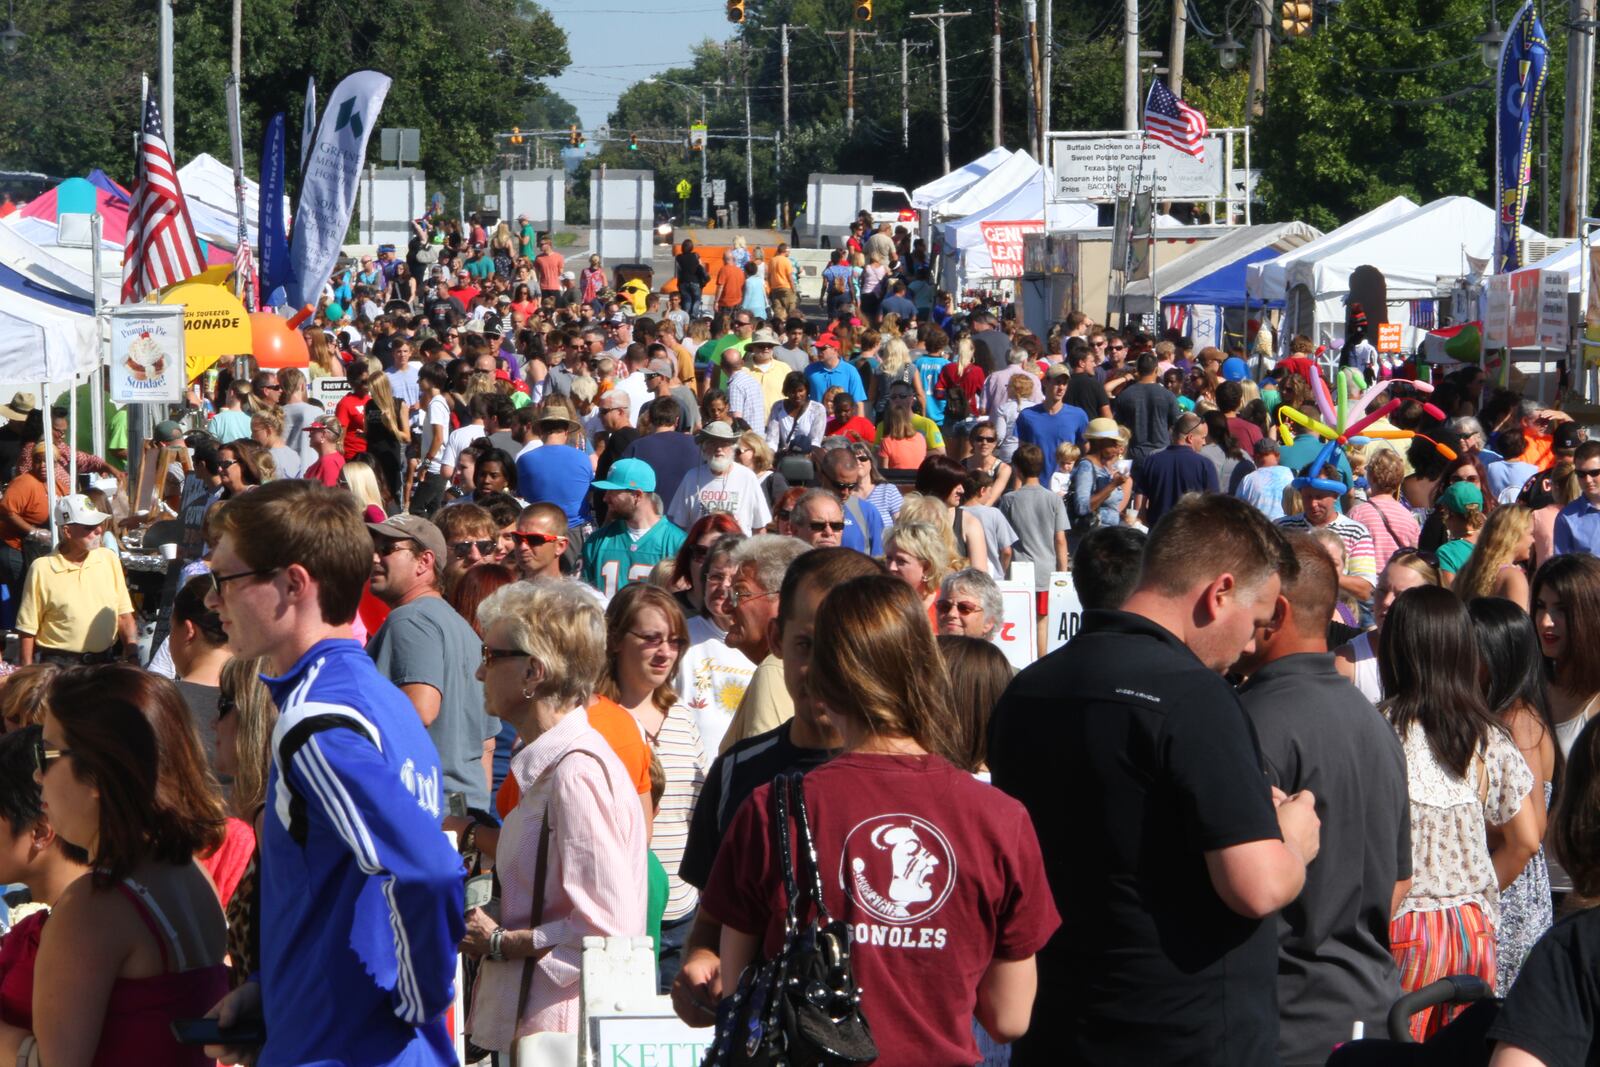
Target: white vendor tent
(1568,260)
(44,336)
(1199,262)
(208,189)
(963,251)
(58,268)
(1268,281)
(936,192)
(1016,171)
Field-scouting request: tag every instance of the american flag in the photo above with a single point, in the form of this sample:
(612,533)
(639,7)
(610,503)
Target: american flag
(246,283)
(162,248)
(1172,122)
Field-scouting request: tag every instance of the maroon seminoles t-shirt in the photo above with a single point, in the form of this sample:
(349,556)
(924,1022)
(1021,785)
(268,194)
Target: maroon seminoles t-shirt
(937,873)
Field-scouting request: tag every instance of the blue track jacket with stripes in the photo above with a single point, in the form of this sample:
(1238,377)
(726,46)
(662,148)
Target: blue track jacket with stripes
(359,920)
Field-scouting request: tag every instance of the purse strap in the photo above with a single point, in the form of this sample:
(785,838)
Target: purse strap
(540,867)
(808,847)
(780,825)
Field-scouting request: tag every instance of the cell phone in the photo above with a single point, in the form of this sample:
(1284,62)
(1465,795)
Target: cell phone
(456,804)
(245,1033)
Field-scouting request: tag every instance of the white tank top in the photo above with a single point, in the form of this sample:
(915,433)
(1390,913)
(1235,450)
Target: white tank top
(1366,667)
(1567,732)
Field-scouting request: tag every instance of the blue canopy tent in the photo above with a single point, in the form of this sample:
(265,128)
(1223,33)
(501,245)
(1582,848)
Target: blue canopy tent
(1201,307)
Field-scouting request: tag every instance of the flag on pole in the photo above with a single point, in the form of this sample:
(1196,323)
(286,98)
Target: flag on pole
(270,222)
(308,125)
(246,284)
(161,248)
(1519,83)
(1172,122)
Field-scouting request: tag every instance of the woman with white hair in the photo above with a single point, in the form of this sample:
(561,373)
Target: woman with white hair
(969,605)
(571,854)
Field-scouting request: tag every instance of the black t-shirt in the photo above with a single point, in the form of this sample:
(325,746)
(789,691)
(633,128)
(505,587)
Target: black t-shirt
(994,346)
(734,775)
(1317,732)
(1134,760)
(1085,393)
(689,268)
(1552,1010)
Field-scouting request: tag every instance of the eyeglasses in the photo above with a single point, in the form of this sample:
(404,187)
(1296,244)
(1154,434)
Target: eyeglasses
(1592,472)
(220,580)
(820,525)
(386,548)
(537,540)
(651,642)
(846,487)
(960,607)
(461,548)
(737,596)
(492,654)
(44,756)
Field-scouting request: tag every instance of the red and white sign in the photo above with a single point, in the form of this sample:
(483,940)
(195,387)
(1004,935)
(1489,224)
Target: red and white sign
(1005,245)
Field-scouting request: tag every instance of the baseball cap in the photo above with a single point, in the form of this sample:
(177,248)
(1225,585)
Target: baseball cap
(658,368)
(626,474)
(1461,496)
(1235,369)
(411,528)
(827,340)
(1567,436)
(75,510)
(168,432)
(1058,370)
(1267,446)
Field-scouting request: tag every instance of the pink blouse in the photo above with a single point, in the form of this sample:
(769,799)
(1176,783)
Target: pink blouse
(1371,513)
(595,881)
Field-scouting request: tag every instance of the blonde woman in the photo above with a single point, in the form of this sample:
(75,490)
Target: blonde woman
(362,481)
(753,451)
(960,384)
(325,361)
(896,368)
(246,716)
(388,429)
(919,554)
(1498,566)
(1021,390)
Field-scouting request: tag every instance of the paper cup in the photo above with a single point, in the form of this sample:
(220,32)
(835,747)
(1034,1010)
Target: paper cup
(169,551)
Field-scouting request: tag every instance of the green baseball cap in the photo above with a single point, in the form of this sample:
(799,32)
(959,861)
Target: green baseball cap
(1461,496)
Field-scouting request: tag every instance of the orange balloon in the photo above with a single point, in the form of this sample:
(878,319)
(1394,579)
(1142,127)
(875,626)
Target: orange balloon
(274,344)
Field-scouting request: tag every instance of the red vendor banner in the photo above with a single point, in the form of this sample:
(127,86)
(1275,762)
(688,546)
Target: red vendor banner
(1005,245)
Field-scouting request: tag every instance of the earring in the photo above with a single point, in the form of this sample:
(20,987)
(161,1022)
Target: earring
(527,695)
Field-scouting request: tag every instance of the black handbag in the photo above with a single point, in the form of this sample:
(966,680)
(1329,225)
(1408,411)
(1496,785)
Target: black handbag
(801,1008)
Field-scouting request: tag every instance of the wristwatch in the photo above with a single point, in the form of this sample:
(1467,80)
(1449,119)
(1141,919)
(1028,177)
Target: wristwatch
(495,937)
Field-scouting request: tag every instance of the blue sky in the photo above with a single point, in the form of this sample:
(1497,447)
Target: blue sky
(615,43)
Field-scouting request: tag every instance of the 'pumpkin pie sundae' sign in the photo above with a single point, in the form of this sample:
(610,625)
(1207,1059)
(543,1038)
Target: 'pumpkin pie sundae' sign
(147,353)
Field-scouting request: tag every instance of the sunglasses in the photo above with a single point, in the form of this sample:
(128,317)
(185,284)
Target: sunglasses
(43,756)
(846,487)
(985,440)
(224,464)
(386,548)
(492,654)
(1592,472)
(960,607)
(461,548)
(820,525)
(536,540)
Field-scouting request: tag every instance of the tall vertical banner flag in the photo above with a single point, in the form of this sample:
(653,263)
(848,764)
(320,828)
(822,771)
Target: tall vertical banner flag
(161,247)
(308,125)
(269,218)
(1518,85)
(328,186)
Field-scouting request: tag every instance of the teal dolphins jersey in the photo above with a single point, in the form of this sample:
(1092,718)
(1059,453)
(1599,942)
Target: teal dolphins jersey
(612,557)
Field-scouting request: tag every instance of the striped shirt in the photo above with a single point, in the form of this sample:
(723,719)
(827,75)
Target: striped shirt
(683,759)
(1361,556)
(1400,531)
(746,400)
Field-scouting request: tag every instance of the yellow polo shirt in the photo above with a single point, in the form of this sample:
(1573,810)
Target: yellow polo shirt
(771,378)
(73,607)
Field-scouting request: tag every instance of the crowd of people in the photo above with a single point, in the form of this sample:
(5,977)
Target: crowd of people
(527,637)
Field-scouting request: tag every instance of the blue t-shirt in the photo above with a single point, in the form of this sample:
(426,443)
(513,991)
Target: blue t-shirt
(928,368)
(1039,427)
(821,379)
(559,475)
(1172,472)
(871,542)
(899,305)
(359,920)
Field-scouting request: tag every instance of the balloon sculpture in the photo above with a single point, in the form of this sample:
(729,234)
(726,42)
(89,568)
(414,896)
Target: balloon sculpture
(277,342)
(1350,432)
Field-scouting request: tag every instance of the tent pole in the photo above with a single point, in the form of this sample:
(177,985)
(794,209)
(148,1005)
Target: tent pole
(49,442)
(72,434)
(97,400)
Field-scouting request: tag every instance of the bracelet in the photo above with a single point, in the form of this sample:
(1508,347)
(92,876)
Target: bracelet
(27,1052)
(469,839)
(495,937)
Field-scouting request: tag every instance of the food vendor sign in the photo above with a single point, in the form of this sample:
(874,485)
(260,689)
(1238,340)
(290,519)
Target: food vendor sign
(147,364)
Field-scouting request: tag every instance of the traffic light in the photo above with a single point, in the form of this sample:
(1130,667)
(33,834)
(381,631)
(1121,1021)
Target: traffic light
(516,135)
(697,137)
(863,10)
(735,10)
(1297,16)
(633,143)
(574,138)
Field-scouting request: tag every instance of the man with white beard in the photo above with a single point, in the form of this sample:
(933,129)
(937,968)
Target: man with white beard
(720,484)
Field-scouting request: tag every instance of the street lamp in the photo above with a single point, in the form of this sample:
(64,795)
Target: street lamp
(1228,51)
(1490,41)
(11,37)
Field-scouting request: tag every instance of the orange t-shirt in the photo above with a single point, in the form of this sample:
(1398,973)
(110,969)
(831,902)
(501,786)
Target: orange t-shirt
(780,273)
(730,286)
(621,732)
(902,453)
(1539,450)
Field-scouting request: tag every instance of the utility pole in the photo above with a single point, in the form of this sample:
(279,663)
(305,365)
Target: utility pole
(167,75)
(1258,59)
(939,18)
(995,71)
(783,32)
(1030,73)
(905,98)
(1030,9)
(850,72)
(1047,44)
(1180,32)
(705,149)
(1577,135)
(1130,64)
(749,158)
